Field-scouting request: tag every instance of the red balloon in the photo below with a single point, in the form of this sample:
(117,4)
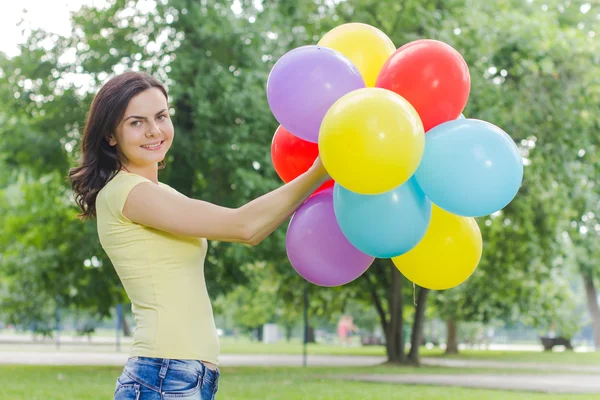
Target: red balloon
(432,76)
(293,156)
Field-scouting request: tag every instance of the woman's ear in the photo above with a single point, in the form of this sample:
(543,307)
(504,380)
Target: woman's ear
(112,141)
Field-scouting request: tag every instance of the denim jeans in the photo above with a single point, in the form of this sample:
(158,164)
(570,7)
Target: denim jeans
(145,378)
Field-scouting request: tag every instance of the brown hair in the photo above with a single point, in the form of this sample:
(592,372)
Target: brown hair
(99,161)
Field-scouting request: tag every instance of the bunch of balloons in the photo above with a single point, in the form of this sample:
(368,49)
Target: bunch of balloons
(409,171)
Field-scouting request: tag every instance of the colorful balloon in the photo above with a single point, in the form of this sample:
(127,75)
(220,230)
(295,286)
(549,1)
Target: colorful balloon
(384,225)
(364,45)
(304,83)
(317,248)
(448,254)
(292,156)
(371,141)
(432,76)
(470,167)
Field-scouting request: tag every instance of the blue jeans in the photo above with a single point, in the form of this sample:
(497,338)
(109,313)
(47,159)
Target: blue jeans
(145,378)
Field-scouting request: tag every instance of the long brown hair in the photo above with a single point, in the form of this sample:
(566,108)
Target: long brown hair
(99,161)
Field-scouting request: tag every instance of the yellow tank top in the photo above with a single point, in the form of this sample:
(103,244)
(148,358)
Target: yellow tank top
(163,275)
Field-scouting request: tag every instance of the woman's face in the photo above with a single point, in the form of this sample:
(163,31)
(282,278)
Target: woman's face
(145,133)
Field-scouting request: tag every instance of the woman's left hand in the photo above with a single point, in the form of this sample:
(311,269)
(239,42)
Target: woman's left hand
(319,168)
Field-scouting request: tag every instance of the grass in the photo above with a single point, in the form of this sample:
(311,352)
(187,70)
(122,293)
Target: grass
(248,383)
(554,357)
(245,346)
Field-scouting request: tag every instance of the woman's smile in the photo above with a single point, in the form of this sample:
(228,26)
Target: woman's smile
(153,146)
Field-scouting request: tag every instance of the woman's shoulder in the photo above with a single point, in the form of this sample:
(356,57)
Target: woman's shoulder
(167,187)
(114,194)
(122,181)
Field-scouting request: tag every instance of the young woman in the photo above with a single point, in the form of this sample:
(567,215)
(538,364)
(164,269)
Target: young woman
(156,237)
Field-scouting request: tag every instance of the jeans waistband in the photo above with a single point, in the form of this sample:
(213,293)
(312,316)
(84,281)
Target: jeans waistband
(150,371)
(187,365)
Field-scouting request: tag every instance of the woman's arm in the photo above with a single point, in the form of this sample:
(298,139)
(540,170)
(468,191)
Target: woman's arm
(148,204)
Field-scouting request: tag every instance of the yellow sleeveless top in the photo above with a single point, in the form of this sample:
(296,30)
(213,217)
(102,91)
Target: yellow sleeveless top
(163,275)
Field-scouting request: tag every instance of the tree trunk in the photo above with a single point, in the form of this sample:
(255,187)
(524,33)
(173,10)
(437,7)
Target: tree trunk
(451,339)
(592,299)
(394,334)
(259,333)
(392,325)
(288,332)
(310,336)
(419,323)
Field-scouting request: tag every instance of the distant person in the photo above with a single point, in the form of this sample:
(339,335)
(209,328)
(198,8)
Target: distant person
(156,237)
(489,337)
(345,328)
(552,331)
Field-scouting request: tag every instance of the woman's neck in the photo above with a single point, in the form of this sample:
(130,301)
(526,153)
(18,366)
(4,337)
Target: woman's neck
(149,172)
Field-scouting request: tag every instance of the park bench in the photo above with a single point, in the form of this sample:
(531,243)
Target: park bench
(550,342)
(372,340)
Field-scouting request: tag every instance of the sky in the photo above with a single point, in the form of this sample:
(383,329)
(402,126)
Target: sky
(50,15)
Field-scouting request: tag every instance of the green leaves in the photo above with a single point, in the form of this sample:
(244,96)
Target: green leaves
(48,254)
(534,73)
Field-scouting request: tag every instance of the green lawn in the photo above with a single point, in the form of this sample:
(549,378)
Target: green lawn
(245,346)
(558,357)
(95,383)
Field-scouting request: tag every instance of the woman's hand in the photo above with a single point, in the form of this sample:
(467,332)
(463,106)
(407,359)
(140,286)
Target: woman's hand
(320,170)
(268,211)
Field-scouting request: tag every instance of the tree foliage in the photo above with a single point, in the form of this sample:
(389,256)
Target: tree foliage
(534,70)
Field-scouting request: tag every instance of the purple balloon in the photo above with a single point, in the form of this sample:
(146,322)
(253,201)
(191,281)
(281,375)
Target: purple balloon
(317,248)
(304,83)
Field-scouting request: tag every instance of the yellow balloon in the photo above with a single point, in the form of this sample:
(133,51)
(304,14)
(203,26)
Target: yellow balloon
(366,46)
(446,256)
(371,140)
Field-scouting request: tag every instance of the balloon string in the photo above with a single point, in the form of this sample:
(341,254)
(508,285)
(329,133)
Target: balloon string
(414,295)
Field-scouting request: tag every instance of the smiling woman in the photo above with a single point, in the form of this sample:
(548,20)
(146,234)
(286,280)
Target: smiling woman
(156,237)
(153,133)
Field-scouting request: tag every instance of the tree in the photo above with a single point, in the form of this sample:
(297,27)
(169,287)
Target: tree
(215,62)
(526,67)
(581,235)
(46,260)
(535,83)
(40,137)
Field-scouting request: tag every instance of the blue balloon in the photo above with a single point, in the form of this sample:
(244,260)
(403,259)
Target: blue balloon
(470,167)
(384,225)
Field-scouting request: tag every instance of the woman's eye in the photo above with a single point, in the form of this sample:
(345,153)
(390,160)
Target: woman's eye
(162,117)
(136,123)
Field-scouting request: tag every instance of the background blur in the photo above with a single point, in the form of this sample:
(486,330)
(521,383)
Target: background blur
(535,72)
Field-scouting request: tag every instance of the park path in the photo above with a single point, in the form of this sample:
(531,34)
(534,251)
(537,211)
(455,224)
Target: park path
(554,383)
(556,367)
(559,379)
(273,360)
